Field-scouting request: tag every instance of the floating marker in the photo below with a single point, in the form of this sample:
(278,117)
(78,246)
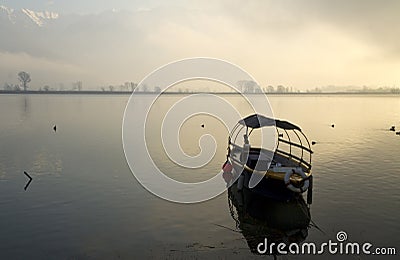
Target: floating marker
(333,126)
(393,128)
(30,179)
(313,142)
(202,125)
(55,128)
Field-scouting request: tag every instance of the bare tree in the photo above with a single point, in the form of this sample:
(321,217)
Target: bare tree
(157,89)
(270,89)
(79,85)
(133,86)
(16,87)
(247,86)
(127,86)
(8,86)
(280,89)
(25,78)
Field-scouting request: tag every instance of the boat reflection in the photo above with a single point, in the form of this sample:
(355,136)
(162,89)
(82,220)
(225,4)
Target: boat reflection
(261,218)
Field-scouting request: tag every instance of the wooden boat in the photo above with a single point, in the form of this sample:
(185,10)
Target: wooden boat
(282,172)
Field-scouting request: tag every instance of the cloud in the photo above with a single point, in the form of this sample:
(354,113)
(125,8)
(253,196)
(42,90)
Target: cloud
(373,21)
(297,43)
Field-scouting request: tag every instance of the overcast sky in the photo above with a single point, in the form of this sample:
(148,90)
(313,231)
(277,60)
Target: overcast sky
(302,44)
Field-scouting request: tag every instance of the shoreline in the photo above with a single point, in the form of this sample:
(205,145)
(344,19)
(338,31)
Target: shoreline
(95,92)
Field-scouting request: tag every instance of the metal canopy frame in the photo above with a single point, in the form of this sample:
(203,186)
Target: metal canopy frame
(250,123)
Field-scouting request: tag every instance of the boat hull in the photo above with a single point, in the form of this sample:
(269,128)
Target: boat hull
(271,186)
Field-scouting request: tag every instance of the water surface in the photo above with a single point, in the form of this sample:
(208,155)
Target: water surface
(84,202)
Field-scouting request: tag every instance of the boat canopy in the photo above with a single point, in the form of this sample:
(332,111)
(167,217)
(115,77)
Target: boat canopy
(258,121)
(291,141)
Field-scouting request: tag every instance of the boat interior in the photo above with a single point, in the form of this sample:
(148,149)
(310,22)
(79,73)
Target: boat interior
(292,148)
(262,157)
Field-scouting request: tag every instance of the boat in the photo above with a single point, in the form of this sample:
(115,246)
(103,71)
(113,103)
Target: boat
(281,171)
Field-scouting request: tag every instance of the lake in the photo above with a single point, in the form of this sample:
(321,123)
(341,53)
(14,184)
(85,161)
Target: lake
(84,202)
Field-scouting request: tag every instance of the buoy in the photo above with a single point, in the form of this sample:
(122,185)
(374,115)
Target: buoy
(333,126)
(313,142)
(393,128)
(290,186)
(55,128)
(202,126)
(227,167)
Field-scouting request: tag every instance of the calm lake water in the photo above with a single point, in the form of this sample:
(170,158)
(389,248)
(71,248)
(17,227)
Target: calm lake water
(84,202)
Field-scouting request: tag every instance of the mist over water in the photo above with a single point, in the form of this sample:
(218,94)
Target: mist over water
(84,202)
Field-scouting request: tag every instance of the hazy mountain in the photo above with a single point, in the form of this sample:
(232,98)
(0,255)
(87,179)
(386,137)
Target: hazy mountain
(26,17)
(71,44)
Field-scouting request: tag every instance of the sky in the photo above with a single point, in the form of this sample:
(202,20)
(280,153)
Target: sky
(297,43)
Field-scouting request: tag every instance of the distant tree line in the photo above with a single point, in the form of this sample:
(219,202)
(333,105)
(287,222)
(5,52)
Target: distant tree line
(278,89)
(130,87)
(25,78)
(245,86)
